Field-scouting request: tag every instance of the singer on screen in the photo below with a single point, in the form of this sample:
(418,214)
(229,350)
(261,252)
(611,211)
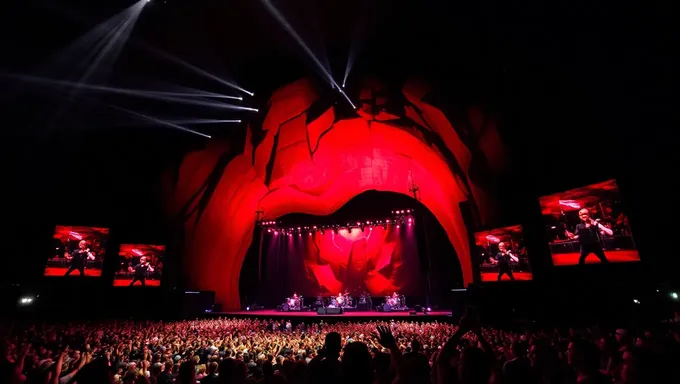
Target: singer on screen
(588,234)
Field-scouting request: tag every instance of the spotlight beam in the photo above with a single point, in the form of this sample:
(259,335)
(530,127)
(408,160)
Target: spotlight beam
(195,69)
(160,96)
(286,25)
(154,120)
(197,121)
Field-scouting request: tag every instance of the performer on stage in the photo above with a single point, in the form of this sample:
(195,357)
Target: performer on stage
(78,258)
(503,259)
(141,270)
(588,235)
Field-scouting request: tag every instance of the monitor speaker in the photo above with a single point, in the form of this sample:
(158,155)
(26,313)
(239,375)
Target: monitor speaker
(329,311)
(418,308)
(413,313)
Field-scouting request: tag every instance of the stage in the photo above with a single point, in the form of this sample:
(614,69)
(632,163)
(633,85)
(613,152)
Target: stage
(126,283)
(353,315)
(493,276)
(59,271)
(615,256)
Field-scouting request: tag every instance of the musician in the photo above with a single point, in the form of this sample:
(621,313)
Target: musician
(395,295)
(588,234)
(141,270)
(78,258)
(503,258)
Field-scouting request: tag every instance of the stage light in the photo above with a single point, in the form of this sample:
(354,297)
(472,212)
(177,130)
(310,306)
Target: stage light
(26,300)
(410,219)
(397,226)
(276,232)
(429,309)
(387,221)
(299,234)
(310,233)
(247,308)
(314,227)
(636,301)
(269,230)
(674,295)
(408,211)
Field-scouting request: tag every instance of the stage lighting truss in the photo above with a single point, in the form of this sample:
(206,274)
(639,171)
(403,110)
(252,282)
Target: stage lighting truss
(399,218)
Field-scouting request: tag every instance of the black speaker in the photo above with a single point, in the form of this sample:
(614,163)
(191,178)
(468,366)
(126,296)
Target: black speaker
(413,313)
(329,311)
(418,308)
(334,311)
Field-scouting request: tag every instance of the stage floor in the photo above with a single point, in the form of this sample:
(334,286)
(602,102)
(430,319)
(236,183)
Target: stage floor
(493,276)
(355,314)
(126,283)
(58,271)
(622,256)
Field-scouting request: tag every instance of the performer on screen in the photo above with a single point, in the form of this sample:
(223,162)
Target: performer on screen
(588,235)
(141,270)
(78,258)
(503,259)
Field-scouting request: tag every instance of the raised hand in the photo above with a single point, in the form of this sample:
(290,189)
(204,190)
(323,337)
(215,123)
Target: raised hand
(385,337)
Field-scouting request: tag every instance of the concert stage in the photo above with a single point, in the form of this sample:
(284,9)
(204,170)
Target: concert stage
(619,256)
(493,276)
(59,271)
(354,315)
(126,283)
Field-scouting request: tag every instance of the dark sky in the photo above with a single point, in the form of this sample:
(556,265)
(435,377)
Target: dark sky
(585,90)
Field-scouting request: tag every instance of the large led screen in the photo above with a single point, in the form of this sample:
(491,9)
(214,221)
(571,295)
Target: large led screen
(502,255)
(588,225)
(78,251)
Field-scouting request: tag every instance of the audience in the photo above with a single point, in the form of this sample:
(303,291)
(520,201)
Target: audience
(243,351)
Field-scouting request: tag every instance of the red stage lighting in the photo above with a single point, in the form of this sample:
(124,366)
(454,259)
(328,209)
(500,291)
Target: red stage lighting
(299,172)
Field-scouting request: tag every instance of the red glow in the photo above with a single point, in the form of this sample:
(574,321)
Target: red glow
(315,167)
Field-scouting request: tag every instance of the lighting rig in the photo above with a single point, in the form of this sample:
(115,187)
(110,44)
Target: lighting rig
(399,218)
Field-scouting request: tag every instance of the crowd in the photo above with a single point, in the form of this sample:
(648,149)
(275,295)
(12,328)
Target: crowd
(243,351)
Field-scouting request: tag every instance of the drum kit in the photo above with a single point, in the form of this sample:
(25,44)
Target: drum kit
(397,302)
(341,301)
(293,303)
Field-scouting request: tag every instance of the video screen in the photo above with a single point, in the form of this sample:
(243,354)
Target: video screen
(501,254)
(588,225)
(139,265)
(378,260)
(79,251)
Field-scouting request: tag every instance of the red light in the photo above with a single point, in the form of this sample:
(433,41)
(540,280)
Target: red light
(387,221)
(410,219)
(310,233)
(397,226)
(276,232)
(269,230)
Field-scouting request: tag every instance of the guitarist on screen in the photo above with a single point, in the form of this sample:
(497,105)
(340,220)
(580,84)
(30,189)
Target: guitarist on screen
(141,270)
(503,259)
(78,258)
(588,235)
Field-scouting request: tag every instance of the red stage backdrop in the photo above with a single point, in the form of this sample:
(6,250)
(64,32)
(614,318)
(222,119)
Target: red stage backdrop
(603,203)
(376,260)
(129,257)
(67,239)
(487,250)
(311,156)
